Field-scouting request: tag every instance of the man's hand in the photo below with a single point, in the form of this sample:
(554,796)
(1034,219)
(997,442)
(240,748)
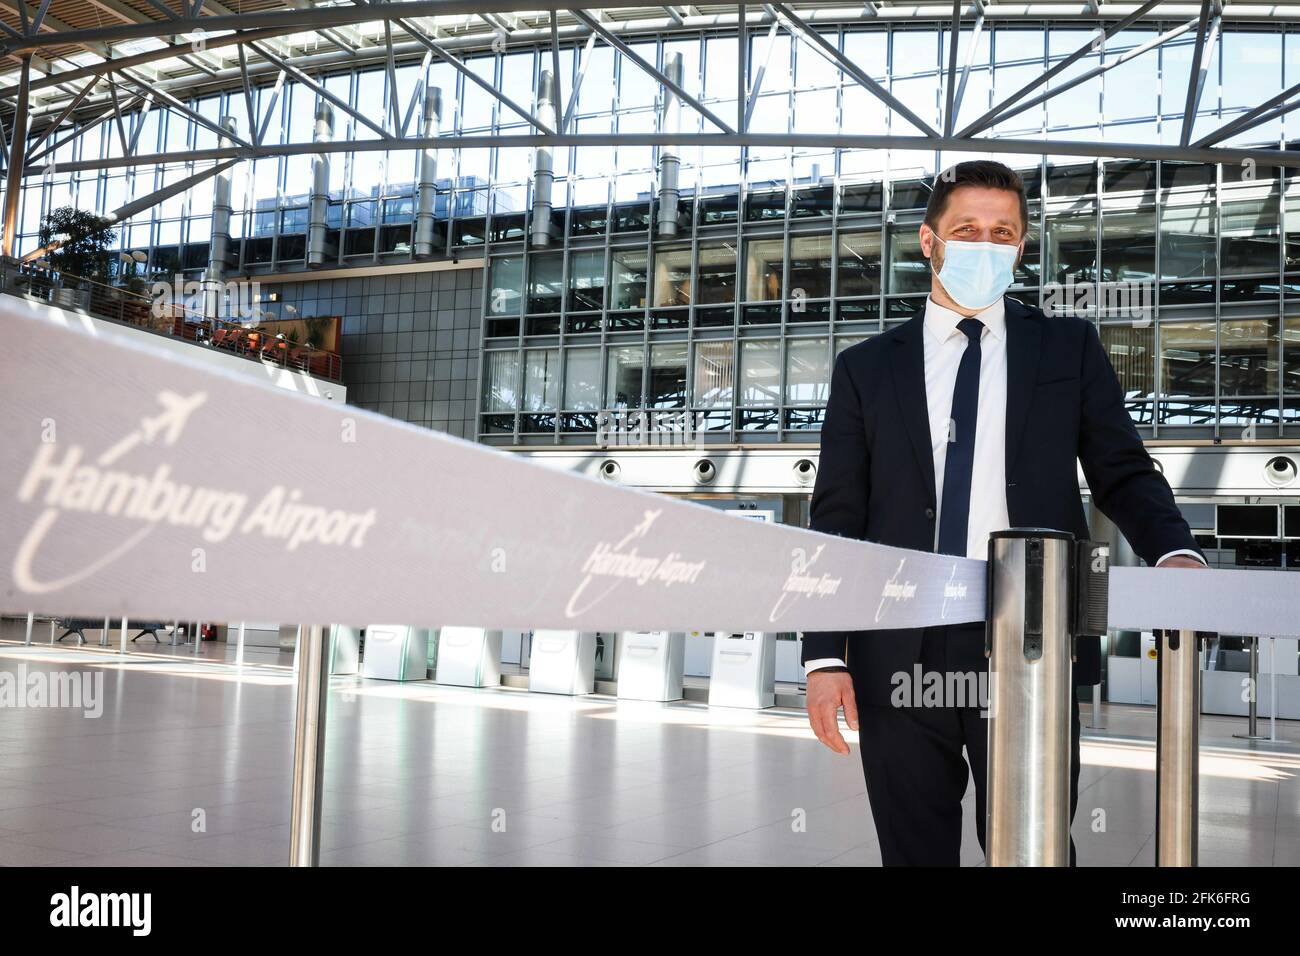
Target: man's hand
(827,692)
(1176,561)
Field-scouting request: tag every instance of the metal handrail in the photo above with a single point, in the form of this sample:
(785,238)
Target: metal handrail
(116,304)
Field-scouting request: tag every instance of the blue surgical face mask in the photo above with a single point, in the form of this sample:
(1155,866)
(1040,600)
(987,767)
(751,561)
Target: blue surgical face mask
(976,274)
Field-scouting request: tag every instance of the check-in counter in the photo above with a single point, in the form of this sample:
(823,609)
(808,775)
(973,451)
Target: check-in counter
(395,652)
(469,657)
(562,662)
(744,670)
(651,664)
(344,649)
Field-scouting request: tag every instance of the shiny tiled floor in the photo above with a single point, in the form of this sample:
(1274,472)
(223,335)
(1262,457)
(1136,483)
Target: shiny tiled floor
(189,765)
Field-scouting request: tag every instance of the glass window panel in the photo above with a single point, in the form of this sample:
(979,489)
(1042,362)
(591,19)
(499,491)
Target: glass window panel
(673,277)
(810,267)
(1130,350)
(582,379)
(1187,246)
(1249,351)
(1187,359)
(666,387)
(623,376)
(544,278)
(541,380)
(1071,248)
(506,285)
(760,372)
(764,265)
(807,371)
(720,69)
(476,102)
(1248,234)
(909,270)
(635,87)
(597,92)
(1130,89)
(500,381)
(517,79)
(859,264)
(717,273)
(714,373)
(1291,356)
(1128,248)
(586,280)
(628,269)
(1252,62)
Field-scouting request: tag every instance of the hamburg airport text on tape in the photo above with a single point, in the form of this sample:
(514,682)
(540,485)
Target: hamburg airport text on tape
(140,484)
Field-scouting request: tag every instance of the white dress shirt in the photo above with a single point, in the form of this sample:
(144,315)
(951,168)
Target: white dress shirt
(944,347)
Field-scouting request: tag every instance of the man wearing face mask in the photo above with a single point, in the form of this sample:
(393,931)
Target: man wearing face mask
(967,419)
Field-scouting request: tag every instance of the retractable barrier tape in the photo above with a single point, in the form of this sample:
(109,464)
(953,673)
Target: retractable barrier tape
(137,483)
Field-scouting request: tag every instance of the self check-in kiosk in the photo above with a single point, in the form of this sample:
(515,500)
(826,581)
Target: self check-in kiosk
(744,670)
(344,649)
(650,665)
(468,657)
(562,662)
(395,652)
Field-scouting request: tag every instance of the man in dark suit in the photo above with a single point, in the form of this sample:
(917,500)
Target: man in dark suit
(969,418)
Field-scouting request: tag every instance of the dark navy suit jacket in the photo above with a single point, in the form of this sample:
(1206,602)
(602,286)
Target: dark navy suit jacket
(875,480)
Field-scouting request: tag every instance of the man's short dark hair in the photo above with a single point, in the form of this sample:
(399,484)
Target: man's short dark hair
(976,172)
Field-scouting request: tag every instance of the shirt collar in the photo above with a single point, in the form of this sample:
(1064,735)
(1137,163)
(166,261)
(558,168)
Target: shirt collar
(942,322)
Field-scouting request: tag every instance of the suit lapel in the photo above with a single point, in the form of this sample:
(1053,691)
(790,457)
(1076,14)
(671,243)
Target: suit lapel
(908,369)
(1024,340)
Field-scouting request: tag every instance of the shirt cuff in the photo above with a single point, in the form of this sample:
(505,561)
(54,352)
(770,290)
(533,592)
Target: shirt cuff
(821,662)
(1189,553)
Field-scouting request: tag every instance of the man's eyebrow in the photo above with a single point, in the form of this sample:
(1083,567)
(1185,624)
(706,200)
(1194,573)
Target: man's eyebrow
(961,220)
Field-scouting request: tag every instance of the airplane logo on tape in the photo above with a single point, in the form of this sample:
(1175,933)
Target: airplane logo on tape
(68,481)
(613,563)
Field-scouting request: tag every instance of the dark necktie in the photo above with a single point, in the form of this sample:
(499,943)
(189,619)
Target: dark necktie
(954,515)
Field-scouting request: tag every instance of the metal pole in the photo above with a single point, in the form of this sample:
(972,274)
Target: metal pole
(1096,723)
(318,202)
(176,633)
(1272,688)
(1178,718)
(543,168)
(1028,641)
(670,156)
(239,647)
(1252,705)
(123,639)
(103,635)
(31,618)
(17,160)
(198,636)
(308,742)
(426,187)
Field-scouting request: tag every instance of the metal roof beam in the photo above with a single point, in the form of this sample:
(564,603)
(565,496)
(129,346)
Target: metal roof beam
(1029,147)
(819,43)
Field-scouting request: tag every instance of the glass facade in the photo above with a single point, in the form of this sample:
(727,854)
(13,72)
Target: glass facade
(782,255)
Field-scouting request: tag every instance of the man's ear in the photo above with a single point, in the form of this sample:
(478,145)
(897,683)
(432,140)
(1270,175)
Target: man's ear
(927,240)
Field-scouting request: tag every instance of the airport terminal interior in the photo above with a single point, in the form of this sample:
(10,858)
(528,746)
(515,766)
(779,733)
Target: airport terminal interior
(629,243)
